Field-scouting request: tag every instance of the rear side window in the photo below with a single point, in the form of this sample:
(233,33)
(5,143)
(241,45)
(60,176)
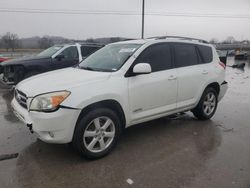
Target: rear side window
(87,50)
(158,56)
(206,53)
(185,55)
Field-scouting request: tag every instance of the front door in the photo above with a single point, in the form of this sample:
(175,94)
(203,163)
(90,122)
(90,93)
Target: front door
(67,58)
(153,94)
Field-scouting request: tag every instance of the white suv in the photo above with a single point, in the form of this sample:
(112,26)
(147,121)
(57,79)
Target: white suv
(120,85)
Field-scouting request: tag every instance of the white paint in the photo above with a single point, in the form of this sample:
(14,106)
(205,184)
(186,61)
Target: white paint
(143,97)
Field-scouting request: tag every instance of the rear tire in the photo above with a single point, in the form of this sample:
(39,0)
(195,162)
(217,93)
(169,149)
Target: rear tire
(207,104)
(96,133)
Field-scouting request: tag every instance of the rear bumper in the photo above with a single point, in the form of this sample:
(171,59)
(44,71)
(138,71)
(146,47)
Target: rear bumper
(223,90)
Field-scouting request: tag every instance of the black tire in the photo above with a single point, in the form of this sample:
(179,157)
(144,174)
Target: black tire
(199,110)
(83,124)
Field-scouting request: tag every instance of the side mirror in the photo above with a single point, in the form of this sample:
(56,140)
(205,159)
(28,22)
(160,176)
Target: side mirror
(59,57)
(142,68)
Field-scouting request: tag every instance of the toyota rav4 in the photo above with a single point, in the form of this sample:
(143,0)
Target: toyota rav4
(121,85)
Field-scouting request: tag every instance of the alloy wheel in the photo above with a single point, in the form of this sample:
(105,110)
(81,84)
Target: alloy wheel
(209,103)
(99,134)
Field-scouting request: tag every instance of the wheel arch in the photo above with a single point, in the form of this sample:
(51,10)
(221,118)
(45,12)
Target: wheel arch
(215,86)
(109,103)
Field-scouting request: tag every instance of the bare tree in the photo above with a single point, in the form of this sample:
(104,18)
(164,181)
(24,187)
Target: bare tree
(45,42)
(115,39)
(90,40)
(10,41)
(214,41)
(229,40)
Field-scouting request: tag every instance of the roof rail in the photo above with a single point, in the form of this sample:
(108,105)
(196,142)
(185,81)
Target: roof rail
(179,37)
(92,44)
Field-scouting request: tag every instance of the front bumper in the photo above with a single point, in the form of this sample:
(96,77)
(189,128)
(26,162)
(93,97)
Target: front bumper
(223,90)
(54,127)
(5,81)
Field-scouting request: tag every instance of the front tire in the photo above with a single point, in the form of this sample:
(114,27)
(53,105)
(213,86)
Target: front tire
(97,133)
(207,104)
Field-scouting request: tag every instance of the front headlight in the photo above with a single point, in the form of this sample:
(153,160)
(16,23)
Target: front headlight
(48,102)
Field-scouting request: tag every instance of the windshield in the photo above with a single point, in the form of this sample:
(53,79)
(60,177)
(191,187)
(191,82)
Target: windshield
(110,58)
(50,51)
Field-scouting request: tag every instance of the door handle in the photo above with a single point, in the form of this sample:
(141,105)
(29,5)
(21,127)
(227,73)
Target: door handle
(204,72)
(172,77)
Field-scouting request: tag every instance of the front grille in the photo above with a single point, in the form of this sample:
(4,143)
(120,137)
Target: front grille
(21,98)
(8,69)
(8,73)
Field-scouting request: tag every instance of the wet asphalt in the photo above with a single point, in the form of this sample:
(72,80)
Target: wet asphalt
(180,152)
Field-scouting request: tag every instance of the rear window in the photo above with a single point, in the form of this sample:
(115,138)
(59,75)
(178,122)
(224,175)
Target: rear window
(185,55)
(88,50)
(206,53)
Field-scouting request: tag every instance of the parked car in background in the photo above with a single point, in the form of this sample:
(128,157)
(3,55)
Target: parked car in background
(2,59)
(241,55)
(121,85)
(55,57)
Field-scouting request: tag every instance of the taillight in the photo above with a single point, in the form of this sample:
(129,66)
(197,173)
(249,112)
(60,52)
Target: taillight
(222,64)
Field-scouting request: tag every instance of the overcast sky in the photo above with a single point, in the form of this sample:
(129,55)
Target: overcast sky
(164,17)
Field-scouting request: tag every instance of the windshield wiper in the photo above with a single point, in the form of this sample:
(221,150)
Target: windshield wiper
(87,68)
(94,69)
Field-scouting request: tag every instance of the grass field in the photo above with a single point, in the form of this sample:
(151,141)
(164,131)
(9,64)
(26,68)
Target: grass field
(19,52)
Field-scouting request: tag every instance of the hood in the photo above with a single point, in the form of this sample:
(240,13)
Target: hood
(24,60)
(62,79)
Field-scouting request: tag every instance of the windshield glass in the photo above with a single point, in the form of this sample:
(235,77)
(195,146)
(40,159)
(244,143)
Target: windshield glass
(50,51)
(110,58)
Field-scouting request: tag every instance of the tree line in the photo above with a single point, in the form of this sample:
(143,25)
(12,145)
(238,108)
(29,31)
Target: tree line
(228,40)
(11,41)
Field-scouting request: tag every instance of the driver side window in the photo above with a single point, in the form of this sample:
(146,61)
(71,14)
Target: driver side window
(158,56)
(70,53)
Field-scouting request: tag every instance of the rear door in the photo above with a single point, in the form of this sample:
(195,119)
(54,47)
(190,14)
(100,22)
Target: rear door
(153,94)
(190,73)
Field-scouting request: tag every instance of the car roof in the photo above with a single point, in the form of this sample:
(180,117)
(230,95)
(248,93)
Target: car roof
(133,41)
(81,44)
(166,39)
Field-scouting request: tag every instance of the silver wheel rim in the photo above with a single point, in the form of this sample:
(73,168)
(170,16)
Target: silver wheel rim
(209,103)
(99,134)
